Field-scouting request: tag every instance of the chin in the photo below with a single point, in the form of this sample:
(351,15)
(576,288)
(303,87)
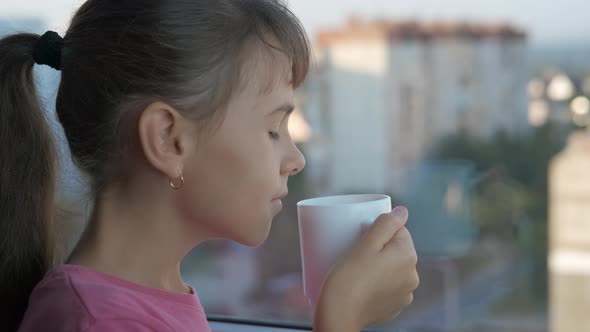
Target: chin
(252,242)
(255,239)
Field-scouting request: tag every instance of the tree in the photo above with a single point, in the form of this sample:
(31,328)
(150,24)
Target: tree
(516,197)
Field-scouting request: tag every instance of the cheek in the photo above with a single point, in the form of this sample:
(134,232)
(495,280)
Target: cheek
(235,215)
(228,194)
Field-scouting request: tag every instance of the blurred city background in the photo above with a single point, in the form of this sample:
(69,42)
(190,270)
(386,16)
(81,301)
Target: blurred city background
(470,113)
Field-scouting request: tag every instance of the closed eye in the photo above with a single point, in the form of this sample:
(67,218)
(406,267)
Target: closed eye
(274,135)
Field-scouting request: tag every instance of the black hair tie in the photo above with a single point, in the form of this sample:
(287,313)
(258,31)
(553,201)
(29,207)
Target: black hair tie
(48,50)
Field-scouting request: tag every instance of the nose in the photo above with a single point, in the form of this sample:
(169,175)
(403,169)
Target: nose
(294,161)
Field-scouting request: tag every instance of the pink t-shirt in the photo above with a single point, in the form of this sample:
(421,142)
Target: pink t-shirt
(74,298)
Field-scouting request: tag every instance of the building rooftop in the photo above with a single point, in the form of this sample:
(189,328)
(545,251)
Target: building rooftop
(357,29)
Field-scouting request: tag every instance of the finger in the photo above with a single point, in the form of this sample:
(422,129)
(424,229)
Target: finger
(403,240)
(415,281)
(385,228)
(402,237)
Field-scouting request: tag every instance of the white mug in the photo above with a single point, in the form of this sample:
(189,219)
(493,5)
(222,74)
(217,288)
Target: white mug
(328,227)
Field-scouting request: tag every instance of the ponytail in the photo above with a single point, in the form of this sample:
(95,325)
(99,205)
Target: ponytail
(27,180)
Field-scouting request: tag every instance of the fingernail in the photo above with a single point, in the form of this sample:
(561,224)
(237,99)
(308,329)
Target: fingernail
(401,212)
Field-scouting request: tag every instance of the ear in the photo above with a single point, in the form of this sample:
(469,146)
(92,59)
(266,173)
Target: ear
(163,138)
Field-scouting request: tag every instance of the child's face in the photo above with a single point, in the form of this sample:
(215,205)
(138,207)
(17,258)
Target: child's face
(233,177)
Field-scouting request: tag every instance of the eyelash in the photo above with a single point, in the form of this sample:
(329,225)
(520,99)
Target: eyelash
(274,135)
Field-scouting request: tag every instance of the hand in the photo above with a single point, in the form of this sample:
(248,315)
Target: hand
(374,281)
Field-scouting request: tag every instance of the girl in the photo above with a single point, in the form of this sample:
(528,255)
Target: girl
(177,113)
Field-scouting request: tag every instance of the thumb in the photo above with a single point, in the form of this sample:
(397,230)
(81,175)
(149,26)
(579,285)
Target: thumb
(385,228)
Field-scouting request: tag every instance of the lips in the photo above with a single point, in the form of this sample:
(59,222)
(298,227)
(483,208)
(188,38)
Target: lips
(277,205)
(277,202)
(281,196)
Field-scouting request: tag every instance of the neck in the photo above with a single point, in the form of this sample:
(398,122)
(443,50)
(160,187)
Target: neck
(134,238)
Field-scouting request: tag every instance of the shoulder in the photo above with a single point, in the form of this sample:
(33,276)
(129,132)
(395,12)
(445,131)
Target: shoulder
(68,301)
(74,298)
(54,305)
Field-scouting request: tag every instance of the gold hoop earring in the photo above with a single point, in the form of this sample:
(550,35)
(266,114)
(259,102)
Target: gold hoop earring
(174,186)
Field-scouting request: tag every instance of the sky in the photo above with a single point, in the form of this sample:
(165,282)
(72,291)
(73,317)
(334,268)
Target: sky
(547,21)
